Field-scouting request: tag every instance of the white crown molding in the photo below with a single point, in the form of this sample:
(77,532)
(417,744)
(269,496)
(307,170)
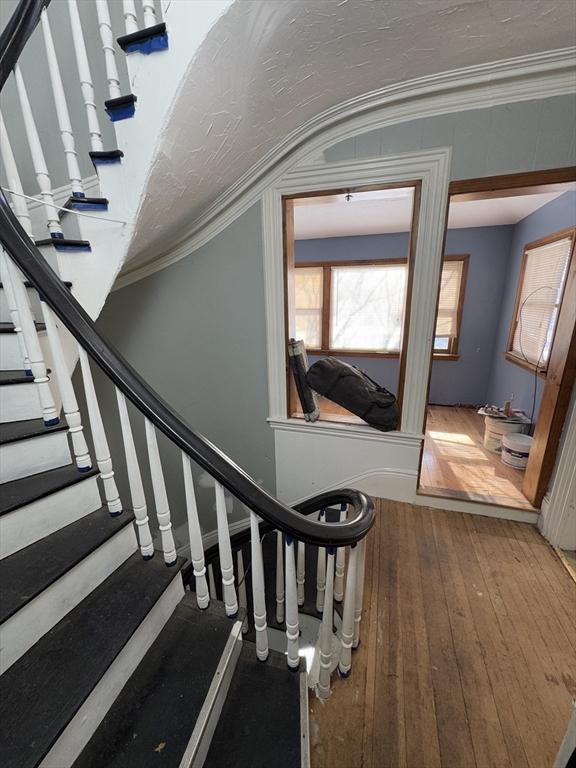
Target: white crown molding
(535,76)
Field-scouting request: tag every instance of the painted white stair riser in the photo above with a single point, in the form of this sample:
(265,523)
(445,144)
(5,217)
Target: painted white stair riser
(34,299)
(33,455)
(31,522)
(23,629)
(19,402)
(82,726)
(10,355)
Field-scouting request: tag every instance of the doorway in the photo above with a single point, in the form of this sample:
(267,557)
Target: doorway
(503,369)
(348,258)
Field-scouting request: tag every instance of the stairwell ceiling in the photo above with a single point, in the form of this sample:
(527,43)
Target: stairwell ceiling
(268,66)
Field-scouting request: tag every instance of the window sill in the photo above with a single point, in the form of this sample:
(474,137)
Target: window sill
(363,431)
(441,356)
(512,358)
(359,353)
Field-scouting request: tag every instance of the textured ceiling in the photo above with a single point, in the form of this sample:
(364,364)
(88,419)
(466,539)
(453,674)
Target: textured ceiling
(268,66)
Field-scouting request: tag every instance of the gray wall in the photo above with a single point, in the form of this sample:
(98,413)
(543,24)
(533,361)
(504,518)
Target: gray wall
(196,332)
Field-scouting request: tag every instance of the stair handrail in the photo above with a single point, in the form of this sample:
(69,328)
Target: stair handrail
(201,450)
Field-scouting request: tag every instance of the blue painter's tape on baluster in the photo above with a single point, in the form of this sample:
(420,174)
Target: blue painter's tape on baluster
(145,41)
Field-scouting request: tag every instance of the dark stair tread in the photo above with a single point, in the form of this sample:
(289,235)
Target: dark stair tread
(14,377)
(28,572)
(260,722)
(23,430)
(44,689)
(16,493)
(9,327)
(160,703)
(28,284)
(141,35)
(63,242)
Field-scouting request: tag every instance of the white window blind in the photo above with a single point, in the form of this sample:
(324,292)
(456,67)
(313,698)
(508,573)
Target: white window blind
(367,307)
(543,278)
(450,285)
(308,300)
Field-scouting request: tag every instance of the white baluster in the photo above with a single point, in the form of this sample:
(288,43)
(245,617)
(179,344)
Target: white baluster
(279,578)
(160,495)
(21,210)
(107,38)
(11,275)
(86,84)
(62,109)
(149,13)
(347,631)
(242,598)
(101,449)
(340,563)
(37,155)
(326,630)
(212,583)
(19,204)
(138,498)
(195,534)
(69,402)
(359,592)
(292,621)
(258,594)
(130,17)
(301,572)
(225,552)
(15,317)
(320,573)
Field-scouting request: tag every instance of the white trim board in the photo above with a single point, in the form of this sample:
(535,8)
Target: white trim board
(535,76)
(432,169)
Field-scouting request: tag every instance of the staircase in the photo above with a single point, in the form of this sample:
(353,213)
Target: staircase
(114,651)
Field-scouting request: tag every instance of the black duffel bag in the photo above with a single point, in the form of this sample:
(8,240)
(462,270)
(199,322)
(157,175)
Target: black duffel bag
(351,388)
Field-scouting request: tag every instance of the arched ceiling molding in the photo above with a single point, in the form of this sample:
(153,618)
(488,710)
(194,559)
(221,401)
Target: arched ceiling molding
(534,76)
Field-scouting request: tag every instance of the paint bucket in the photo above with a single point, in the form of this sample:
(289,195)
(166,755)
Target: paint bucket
(494,429)
(515,450)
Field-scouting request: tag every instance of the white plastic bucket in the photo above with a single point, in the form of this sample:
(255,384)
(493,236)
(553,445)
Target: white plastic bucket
(515,450)
(495,429)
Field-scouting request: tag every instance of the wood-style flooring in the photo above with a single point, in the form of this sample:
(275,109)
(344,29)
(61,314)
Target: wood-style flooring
(456,464)
(468,649)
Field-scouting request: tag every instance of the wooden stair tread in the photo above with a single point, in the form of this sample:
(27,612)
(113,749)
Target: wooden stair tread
(44,689)
(19,492)
(260,722)
(28,572)
(7,327)
(154,716)
(23,430)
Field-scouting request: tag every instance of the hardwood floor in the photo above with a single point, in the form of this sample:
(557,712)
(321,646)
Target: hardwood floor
(467,656)
(456,464)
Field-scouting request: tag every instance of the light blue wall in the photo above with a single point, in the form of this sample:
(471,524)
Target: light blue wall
(508,379)
(453,381)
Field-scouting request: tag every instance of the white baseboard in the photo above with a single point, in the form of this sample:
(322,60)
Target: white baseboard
(23,629)
(23,458)
(87,719)
(477,508)
(40,518)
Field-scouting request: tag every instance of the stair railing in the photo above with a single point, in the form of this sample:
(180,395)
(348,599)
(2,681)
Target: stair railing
(297,527)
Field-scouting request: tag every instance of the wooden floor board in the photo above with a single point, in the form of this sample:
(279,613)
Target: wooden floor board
(456,464)
(467,651)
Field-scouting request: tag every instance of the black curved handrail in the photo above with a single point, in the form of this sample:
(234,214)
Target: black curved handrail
(51,289)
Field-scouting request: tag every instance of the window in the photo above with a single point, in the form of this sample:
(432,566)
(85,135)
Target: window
(450,304)
(358,307)
(538,299)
